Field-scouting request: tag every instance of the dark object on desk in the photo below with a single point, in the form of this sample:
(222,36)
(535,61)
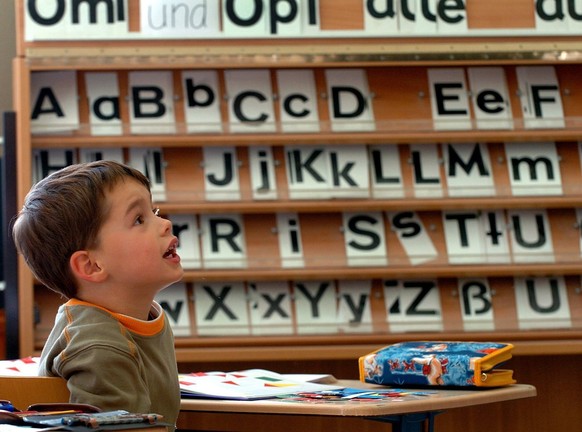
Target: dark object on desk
(79,417)
(95,421)
(451,364)
(349,394)
(9,414)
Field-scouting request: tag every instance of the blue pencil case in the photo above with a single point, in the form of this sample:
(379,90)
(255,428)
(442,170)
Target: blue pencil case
(434,363)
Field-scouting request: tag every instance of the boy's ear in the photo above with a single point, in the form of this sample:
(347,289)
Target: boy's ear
(85,268)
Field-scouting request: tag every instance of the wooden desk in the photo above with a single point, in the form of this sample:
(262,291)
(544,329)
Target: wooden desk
(405,416)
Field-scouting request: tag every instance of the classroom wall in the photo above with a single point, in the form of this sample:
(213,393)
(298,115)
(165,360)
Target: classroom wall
(7,53)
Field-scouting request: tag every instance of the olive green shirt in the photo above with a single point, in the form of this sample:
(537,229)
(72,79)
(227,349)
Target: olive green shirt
(114,361)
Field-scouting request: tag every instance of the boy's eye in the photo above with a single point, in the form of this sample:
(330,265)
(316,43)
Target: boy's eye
(140,219)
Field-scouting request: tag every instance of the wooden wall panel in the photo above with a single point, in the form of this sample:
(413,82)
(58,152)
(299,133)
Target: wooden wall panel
(378,308)
(262,245)
(503,298)
(500,14)
(571,91)
(570,167)
(184,174)
(564,230)
(323,241)
(574,288)
(407,171)
(452,314)
(242,155)
(401,97)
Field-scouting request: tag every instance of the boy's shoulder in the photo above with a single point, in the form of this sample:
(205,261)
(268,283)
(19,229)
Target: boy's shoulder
(83,329)
(87,320)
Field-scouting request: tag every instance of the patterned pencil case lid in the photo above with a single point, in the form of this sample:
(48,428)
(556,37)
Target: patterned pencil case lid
(438,363)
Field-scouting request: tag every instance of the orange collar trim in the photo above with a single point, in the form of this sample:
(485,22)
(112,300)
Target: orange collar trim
(144,328)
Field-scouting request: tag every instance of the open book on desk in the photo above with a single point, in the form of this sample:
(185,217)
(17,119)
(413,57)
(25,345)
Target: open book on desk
(250,384)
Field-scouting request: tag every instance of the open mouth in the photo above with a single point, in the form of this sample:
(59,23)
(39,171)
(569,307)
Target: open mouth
(171,252)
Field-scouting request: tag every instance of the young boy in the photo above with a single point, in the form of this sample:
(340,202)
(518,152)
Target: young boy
(90,233)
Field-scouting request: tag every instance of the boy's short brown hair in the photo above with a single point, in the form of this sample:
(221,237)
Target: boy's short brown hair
(62,214)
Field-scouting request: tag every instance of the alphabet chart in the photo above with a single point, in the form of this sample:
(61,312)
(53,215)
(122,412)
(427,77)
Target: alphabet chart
(337,172)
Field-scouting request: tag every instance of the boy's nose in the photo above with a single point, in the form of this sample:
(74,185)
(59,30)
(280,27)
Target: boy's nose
(166,225)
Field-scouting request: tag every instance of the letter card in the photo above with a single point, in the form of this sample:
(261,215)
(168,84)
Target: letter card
(531,236)
(349,100)
(534,168)
(365,239)
(185,227)
(315,307)
(350,177)
(385,172)
(413,236)
(298,100)
(476,304)
(103,98)
(263,178)
(354,309)
(150,161)
(539,93)
(270,308)
(54,102)
(223,241)
(290,242)
(475,237)
(308,172)
(468,170)
(46,162)
(427,170)
(490,98)
(449,99)
(151,102)
(250,101)
(413,305)
(201,94)
(221,176)
(542,303)
(221,309)
(174,301)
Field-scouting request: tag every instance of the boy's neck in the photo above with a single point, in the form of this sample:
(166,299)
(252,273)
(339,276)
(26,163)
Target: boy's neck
(139,308)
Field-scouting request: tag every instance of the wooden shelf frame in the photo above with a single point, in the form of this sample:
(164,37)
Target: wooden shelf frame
(390,272)
(255,54)
(352,347)
(248,352)
(338,205)
(425,134)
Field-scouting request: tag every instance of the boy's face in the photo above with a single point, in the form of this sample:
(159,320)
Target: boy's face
(135,247)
